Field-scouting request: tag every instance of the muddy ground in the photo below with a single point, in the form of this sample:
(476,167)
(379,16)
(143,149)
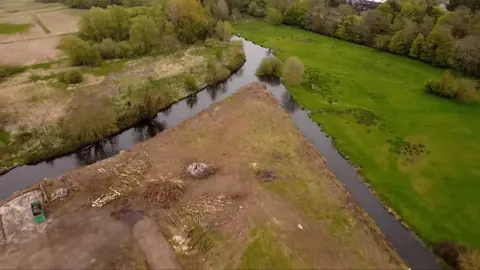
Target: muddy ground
(270,203)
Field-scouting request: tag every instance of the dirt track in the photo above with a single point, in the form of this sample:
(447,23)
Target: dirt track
(272,203)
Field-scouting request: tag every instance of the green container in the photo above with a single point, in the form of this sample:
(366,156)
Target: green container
(38,212)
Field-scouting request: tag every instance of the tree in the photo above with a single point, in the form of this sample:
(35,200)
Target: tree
(385,8)
(438,47)
(375,23)
(413,12)
(382,42)
(189,19)
(458,21)
(293,70)
(119,22)
(143,35)
(107,48)
(472,4)
(274,17)
(403,39)
(222,10)
(417,46)
(295,14)
(466,55)
(95,25)
(223,30)
(79,51)
(270,66)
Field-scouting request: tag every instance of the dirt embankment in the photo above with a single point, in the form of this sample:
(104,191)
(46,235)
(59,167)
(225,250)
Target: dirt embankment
(270,202)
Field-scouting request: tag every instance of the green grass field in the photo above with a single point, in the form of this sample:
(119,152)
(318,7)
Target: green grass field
(7,28)
(421,153)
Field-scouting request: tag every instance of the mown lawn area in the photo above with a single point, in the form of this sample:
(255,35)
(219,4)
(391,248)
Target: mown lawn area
(7,28)
(421,153)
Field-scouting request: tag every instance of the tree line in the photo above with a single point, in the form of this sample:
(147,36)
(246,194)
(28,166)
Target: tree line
(419,29)
(120,32)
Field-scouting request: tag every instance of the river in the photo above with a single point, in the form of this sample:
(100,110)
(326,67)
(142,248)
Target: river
(403,240)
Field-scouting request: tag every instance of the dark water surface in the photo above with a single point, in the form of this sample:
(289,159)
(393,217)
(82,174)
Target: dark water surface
(403,240)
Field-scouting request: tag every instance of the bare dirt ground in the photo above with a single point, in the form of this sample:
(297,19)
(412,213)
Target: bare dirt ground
(271,203)
(49,21)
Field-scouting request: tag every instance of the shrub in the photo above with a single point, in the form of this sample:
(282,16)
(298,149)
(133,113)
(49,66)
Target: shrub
(70,77)
(459,89)
(223,30)
(190,83)
(237,55)
(79,51)
(293,70)
(417,46)
(123,49)
(274,17)
(270,66)
(7,71)
(382,42)
(89,118)
(216,72)
(107,48)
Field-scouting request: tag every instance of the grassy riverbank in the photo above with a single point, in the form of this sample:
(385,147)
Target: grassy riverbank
(420,152)
(44,117)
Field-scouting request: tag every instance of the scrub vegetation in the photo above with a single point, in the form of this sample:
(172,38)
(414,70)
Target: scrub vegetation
(420,152)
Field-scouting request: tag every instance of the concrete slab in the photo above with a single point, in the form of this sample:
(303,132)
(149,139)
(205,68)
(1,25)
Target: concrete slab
(17,220)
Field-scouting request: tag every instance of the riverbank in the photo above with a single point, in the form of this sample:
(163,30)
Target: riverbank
(402,139)
(272,203)
(45,118)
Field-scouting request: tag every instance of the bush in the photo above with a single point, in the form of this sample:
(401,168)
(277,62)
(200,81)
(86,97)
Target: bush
(459,89)
(270,66)
(216,72)
(190,83)
(7,71)
(293,70)
(223,30)
(123,49)
(70,77)
(274,17)
(107,48)
(236,55)
(382,42)
(80,52)
(89,118)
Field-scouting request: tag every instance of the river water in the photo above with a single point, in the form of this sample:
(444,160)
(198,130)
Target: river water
(404,241)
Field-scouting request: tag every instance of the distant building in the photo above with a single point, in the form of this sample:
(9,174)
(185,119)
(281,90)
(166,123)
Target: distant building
(363,5)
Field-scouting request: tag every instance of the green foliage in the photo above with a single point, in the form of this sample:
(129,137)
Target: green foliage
(295,14)
(87,4)
(123,49)
(438,47)
(107,48)
(382,42)
(237,55)
(72,76)
(98,24)
(401,42)
(190,83)
(293,70)
(270,66)
(189,19)
(216,72)
(459,89)
(274,17)
(80,52)
(7,28)
(143,35)
(223,30)
(417,46)
(89,118)
(7,71)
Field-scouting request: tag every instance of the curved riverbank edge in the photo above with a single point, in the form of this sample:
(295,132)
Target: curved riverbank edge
(73,148)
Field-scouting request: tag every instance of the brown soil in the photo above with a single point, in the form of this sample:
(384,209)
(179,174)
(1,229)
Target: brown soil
(219,222)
